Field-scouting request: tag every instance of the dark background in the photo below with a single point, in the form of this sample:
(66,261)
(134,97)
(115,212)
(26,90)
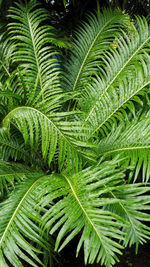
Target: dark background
(128,259)
(68,17)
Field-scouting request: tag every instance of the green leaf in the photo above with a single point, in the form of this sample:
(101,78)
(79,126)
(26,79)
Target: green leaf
(92,40)
(125,75)
(8,94)
(80,211)
(9,174)
(33,49)
(132,142)
(133,207)
(20,231)
(52,132)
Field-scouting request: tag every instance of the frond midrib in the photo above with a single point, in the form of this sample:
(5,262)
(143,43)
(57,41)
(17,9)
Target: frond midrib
(5,68)
(116,76)
(17,209)
(34,48)
(126,149)
(85,213)
(13,173)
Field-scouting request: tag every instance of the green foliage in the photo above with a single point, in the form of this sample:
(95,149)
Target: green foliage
(19,222)
(74,137)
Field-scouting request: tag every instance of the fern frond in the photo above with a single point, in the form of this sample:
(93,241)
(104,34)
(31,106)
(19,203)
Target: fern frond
(34,50)
(98,204)
(103,82)
(20,231)
(11,147)
(131,141)
(133,202)
(9,96)
(81,211)
(52,133)
(91,42)
(125,76)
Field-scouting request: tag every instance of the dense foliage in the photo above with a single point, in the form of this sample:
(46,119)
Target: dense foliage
(74,136)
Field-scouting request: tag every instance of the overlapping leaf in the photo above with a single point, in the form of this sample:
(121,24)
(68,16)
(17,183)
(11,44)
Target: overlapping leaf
(132,141)
(65,138)
(133,202)
(124,76)
(109,75)
(97,204)
(9,174)
(34,42)
(91,42)
(20,231)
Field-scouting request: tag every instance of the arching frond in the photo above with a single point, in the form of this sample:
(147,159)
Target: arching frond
(55,136)
(81,211)
(97,204)
(20,234)
(34,50)
(132,141)
(125,76)
(91,42)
